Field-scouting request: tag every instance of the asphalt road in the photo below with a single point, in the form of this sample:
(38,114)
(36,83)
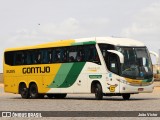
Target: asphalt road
(81,102)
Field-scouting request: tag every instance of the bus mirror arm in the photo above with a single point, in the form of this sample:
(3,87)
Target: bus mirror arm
(119,54)
(156,55)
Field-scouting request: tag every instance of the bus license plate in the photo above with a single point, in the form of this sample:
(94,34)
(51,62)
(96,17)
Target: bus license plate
(140,89)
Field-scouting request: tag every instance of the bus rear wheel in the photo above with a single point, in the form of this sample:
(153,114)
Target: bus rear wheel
(126,96)
(98,92)
(33,91)
(23,91)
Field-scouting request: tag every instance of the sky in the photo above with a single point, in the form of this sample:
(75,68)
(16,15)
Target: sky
(31,22)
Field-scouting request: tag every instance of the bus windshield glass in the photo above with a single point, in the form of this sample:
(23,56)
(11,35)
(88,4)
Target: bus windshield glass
(137,63)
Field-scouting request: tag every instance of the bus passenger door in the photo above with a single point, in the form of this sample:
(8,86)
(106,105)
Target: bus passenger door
(113,75)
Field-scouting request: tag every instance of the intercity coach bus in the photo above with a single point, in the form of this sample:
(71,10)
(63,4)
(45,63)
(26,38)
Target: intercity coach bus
(105,66)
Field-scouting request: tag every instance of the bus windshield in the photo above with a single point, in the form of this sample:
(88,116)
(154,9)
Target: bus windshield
(137,63)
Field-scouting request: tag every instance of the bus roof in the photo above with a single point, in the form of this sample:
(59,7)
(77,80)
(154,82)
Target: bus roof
(82,41)
(113,41)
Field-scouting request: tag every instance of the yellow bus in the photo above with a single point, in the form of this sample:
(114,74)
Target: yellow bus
(105,66)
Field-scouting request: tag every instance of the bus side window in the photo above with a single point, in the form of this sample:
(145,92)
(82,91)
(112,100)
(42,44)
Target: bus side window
(19,58)
(94,54)
(57,55)
(72,54)
(33,57)
(64,55)
(24,58)
(38,59)
(86,49)
(49,55)
(91,54)
(9,58)
(44,56)
(80,54)
(29,57)
(53,55)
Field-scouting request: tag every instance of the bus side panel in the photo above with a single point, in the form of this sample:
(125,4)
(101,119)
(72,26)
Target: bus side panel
(112,83)
(91,72)
(12,79)
(51,80)
(47,80)
(81,85)
(9,84)
(9,79)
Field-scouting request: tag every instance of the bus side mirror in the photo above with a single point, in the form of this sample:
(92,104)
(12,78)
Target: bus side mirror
(119,54)
(156,55)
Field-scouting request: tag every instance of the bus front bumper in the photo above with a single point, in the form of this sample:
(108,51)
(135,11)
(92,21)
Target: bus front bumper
(136,89)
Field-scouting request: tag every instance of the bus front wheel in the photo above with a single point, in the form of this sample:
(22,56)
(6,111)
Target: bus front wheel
(126,96)
(98,92)
(23,91)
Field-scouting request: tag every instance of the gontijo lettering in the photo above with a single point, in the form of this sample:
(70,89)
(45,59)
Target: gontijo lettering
(29,70)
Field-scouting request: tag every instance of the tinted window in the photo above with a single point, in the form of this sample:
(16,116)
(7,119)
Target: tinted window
(86,53)
(92,54)
(72,54)
(9,58)
(111,59)
(81,54)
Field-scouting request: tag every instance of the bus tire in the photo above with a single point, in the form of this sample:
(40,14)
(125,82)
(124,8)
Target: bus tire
(23,90)
(126,96)
(33,91)
(98,92)
(60,96)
